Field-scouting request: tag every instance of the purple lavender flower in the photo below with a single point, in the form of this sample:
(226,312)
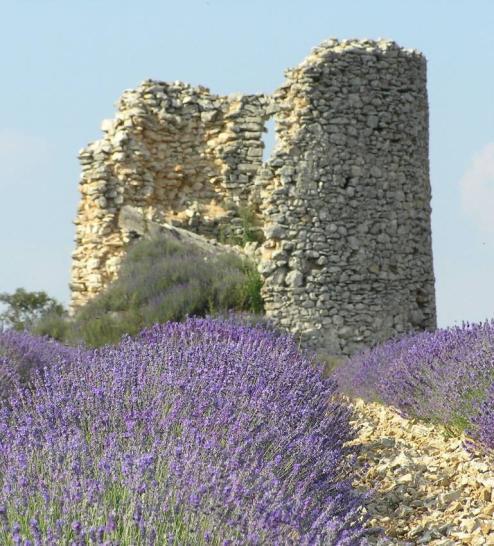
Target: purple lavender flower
(446,376)
(200,433)
(23,355)
(483,422)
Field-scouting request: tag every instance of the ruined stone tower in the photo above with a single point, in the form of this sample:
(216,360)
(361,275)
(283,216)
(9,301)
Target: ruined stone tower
(343,202)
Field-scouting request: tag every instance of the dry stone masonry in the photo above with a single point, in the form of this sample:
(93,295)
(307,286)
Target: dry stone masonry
(344,201)
(180,155)
(348,260)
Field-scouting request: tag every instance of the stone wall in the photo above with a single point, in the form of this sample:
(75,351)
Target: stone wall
(347,259)
(180,154)
(344,200)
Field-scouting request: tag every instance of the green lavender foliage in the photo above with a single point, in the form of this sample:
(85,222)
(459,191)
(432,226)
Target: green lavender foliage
(161,280)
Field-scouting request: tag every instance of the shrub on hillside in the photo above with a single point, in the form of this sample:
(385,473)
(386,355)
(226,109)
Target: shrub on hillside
(162,280)
(24,309)
(202,433)
(444,376)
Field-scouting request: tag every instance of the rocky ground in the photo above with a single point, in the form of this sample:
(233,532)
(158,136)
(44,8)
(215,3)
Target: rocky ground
(429,489)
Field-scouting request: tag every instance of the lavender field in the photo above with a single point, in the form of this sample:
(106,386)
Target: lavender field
(213,432)
(446,377)
(197,433)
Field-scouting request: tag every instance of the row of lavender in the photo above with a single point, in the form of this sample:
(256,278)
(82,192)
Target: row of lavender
(190,434)
(446,376)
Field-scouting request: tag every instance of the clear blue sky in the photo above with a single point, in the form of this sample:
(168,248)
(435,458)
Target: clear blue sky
(64,63)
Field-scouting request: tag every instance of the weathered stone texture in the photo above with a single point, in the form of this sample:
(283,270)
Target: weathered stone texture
(181,155)
(344,199)
(347,259)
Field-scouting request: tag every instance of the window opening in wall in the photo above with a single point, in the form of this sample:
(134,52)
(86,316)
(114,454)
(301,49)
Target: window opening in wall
(268,139)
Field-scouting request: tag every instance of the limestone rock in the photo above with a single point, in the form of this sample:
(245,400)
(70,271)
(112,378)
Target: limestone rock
(427,484)
(342,205)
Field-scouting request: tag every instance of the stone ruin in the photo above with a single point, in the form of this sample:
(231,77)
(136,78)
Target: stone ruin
(342,207)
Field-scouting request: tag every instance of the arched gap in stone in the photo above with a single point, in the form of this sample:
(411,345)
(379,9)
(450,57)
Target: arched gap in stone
(268,139)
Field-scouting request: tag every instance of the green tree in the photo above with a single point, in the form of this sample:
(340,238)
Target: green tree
(24,309)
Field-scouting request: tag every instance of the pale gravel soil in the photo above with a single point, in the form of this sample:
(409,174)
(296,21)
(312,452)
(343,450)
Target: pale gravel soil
(428,488)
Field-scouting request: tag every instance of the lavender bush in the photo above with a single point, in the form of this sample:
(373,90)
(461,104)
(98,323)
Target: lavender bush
(201,433)
(22,355)
(445,376)
(160,280)
(483,421)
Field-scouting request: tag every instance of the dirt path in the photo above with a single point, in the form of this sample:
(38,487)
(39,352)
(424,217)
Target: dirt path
(430,490)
